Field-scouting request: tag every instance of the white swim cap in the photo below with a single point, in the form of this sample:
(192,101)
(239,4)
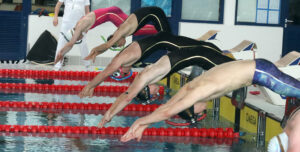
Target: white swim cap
(69,34)
(274,143)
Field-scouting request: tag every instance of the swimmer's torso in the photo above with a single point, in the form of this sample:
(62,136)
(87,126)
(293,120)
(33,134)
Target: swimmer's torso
(226,77)
(170,42)
(205,56)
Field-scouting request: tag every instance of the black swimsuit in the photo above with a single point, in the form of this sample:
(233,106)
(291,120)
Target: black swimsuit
(154,14)
(184,52)
(205,56)
(170,42)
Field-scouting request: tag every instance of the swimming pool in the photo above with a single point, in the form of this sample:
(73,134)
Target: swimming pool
(20,141)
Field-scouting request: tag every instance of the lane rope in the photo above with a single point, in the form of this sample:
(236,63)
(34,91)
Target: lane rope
(59,75)
(169,139)
(179,132)
(73,106)
(63,89)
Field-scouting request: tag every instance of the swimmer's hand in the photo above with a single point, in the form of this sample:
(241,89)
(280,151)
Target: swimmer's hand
(105,119)
(92,55)
(86,91)
(135,131)
(96,51)
(59,57)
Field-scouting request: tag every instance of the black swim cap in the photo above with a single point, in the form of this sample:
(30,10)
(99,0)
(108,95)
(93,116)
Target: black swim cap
(108,38)
(144,95)
(117,73)
(188,115)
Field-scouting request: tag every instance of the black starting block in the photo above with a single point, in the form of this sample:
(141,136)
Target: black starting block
(238,97)
(290,106)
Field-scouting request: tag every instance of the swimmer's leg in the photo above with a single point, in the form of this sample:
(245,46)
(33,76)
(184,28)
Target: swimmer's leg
(125,58)
(268,75)
(155,15)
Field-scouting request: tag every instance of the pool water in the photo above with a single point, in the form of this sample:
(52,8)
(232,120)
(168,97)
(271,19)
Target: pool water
(88,142)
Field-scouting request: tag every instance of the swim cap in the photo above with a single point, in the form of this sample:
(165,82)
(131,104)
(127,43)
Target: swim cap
(69,34)
(188,115)
(114,45)
(144,95)
(278,143)
(119,75)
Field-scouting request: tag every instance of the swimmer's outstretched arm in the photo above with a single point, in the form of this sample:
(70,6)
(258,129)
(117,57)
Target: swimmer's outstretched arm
(60,55)
(88,90)
(205,87)
(68,46)
(162,113)
(149,75)
(125,58)
(121,32)
(95,52)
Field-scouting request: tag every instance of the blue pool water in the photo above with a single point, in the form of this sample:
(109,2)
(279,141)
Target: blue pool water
(82,142)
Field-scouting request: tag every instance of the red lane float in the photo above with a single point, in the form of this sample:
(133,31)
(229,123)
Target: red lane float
(72,111)
(179,132)
(97,94)
(74,106)
(62,89)
(60,75)
(169,139)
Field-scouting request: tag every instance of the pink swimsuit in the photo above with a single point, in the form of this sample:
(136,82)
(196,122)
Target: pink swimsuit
(117,17)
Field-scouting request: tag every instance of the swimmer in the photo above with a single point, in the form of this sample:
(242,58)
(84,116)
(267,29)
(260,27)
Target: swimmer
(205,55)
(134,23)
(216,82)
(140,49)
